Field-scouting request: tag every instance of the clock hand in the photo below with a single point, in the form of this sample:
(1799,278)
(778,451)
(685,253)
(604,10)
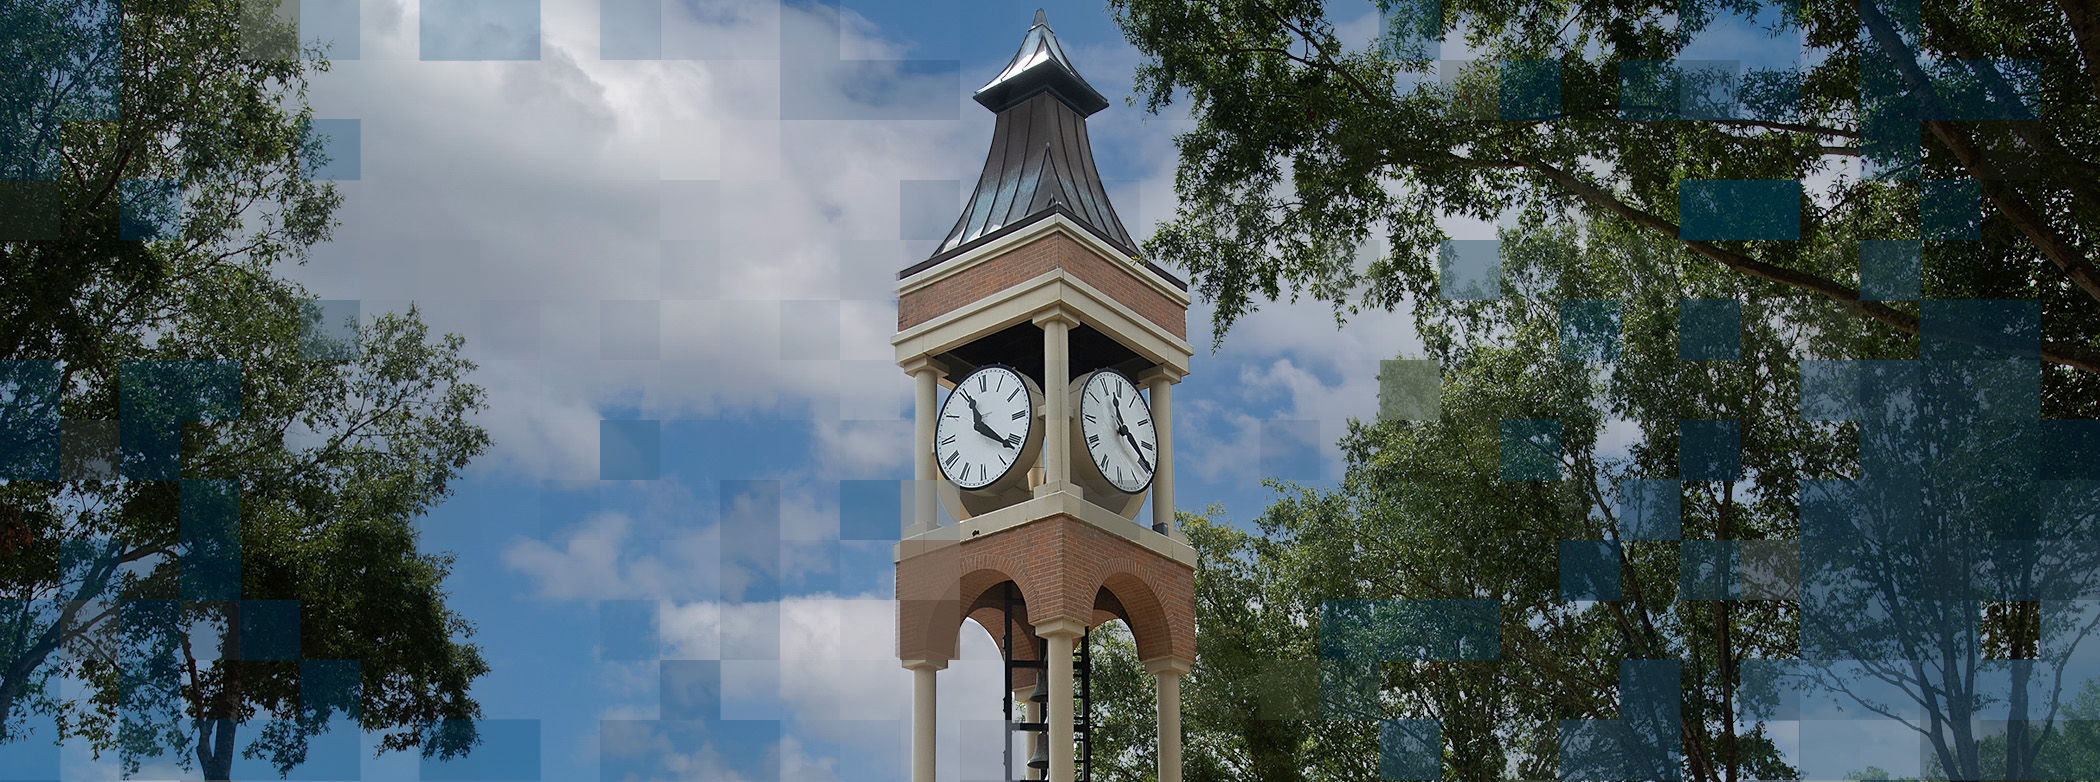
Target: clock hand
(978,424)
(1132,439)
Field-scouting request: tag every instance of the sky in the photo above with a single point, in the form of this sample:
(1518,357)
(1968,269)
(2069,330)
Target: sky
(669,231)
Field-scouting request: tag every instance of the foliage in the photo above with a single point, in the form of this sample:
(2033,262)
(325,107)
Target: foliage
(158,154)
(1304,148)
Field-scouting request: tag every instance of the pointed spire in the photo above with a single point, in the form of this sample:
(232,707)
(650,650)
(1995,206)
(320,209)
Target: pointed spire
(1040,65)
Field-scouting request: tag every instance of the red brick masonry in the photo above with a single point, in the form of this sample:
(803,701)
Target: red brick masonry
(1026,262)
(1060,565)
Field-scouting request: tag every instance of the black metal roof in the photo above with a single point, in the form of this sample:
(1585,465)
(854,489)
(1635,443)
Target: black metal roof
(1041,162)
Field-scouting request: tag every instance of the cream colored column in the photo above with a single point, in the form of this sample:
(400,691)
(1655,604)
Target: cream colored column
(1025,709)
(922,725)
(1161,381)
(924,376)
(1168,671)
(1060,633)
(1057,377)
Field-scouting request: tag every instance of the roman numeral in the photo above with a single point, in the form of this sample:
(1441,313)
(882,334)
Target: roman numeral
(1090,418)
(981,382)
(950,439)
(951,458)
(1016,392)
(1104,462)
(1146,446)
(1020,414)
(1013,440)
(1119,473)
(1093,439)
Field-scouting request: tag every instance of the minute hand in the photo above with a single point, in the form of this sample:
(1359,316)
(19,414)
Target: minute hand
(1132,439)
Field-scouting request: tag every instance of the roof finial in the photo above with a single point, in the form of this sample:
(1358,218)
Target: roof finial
(1041,19)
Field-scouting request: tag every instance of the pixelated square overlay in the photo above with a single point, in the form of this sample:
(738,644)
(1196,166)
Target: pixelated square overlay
(1648,90)
(269,29)
(88,450)
(1710,450)
(155,397)
(1706,569)
(630,450)
(1644,742)
(506,750)
(479,30)
(1410,630)
(1739,209)
(1978,330)
(510,330)
(1751,55)
(871,509)
(630,29)
(1410,390)
(1769,570)
(809,330)
(29,421)
(331,27)
(1470,270)
(1410,30)
(1410,750)
(1889,270)
(630,629)
(816,84)
(1589,330)
(1290,450)
(1530,90)
(333,149)
(1950,209)
(1709,329)
(690,689)
(328,329)
(209,523)
(1650,508)
(149,209)
(1287,690)
(927,208)
(1530,449)
(1349,689)
(269,629)
(1589,570)
(630,330)
(29,210)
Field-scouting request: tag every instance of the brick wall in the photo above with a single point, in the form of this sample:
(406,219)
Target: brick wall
(1059,565)
(1023,263)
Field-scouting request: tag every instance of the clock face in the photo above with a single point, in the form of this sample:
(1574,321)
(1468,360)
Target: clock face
(1117,425)
(985,428)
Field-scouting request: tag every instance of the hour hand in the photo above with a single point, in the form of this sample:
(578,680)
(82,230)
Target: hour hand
(987,431)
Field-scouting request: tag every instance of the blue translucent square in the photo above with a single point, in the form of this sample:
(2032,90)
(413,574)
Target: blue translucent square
(211,540)
(750,552)
(151,209)
(31,751)
(334,149)
(1888,270)
(628,629)
(1950,209)
(1530,450)
(1589,330)
(328,330)
(331,26)
(870,510)
(1706,569)
(480,30)
(1410,390)
(1647,90)
(29,421)
(1530,90)
(1889,147)
(1410,750)
(2073,449)
(1979,329)
(630,450)
(510,330)
(1589,570)
(1709,329)
(630,29)
(29,210)
(815,84)
(927,208)
(1829,391)
(508,750)
(691,690)
(1290,450)
(1470,270)
(1410,30)
(331,687)
(154,397)
(1706,89)
(630,330)
(1650,509)
(269,629)
(1768,690)
(1710,450)
(1645,742)
(1738,209)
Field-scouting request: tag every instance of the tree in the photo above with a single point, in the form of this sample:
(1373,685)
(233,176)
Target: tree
(1304,148)
(259,555)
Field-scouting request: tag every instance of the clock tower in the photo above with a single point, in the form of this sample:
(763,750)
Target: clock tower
(1058,347)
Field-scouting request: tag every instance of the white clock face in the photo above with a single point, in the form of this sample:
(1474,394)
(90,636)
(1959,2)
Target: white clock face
(1117,425)
(984,427)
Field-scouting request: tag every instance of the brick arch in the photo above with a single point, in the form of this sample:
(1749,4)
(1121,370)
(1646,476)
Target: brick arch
(931,610)
(1158,629)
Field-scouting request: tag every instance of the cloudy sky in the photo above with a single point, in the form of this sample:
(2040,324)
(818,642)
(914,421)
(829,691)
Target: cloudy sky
(669,231)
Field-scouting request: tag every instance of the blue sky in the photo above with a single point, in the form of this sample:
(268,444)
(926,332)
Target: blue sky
(669,231)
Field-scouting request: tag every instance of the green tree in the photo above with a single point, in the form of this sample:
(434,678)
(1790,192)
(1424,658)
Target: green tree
(1303,148)
(158,158)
